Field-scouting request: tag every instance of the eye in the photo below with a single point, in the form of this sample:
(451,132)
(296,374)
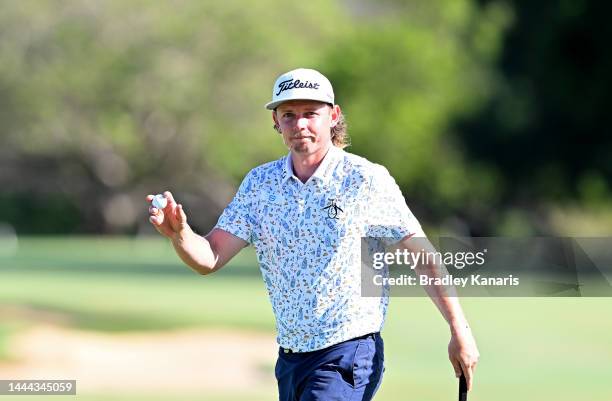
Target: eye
(311,113)
(288,115)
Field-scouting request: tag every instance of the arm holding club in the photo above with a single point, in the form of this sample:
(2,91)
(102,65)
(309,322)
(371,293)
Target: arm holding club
(462,350)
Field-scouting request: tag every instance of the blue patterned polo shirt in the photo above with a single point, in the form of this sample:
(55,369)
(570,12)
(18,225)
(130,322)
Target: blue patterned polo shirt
(307,237)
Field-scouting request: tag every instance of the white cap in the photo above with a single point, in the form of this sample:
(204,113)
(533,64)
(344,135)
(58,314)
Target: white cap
(301,84)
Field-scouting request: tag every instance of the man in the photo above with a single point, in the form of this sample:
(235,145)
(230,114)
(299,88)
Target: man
(305,215)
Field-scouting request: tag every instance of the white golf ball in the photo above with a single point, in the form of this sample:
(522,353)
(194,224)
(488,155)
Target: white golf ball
(159,201)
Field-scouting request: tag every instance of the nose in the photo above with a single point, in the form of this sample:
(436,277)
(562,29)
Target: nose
(302,123)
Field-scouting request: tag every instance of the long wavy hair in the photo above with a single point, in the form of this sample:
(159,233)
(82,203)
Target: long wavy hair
(339,134)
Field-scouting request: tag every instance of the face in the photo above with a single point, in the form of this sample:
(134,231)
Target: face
(306,125)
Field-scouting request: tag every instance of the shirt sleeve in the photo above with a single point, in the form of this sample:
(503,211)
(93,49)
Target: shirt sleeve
(389,218)
(237,218)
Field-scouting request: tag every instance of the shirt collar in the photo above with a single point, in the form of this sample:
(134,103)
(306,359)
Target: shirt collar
(323,172)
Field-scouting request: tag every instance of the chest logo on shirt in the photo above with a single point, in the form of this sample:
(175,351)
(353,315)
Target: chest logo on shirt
(332,209)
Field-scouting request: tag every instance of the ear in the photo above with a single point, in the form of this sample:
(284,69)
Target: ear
(276,126)
(335,115)
(274,117)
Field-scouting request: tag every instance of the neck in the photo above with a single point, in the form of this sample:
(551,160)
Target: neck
(304,165)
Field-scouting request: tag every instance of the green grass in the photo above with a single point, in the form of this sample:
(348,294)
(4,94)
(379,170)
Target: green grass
(123,302)
(532,349)
(122,284)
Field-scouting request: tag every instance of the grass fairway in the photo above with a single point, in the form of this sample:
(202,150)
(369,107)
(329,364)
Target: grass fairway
(532,349)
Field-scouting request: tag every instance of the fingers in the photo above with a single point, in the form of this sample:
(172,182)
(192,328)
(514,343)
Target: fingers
(464,355)
(180,214)
(170,198)
(168,220)
(468,368)
(167,195)
(156,216)
(154,220)
(158,220)
(464,364)
(456,367)
(467,372)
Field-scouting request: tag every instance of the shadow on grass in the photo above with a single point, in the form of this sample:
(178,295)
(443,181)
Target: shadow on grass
(116,321)
(110,255)
(99,321)
(132,268)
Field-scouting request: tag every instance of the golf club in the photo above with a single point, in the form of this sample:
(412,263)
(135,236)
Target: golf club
(462,388)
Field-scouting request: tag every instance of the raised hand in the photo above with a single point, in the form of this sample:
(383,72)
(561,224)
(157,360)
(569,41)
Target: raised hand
(169,221)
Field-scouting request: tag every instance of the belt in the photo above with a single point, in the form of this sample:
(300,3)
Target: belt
(369,335)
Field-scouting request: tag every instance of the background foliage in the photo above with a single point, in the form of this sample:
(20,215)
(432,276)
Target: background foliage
(490,120)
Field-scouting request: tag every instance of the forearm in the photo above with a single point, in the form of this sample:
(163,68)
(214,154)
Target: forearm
(462,351)
(195,251)
(444,297)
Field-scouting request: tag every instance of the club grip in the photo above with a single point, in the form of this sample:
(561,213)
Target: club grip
(462,388)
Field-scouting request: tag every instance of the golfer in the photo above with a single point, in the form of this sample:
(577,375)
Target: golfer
(305,215)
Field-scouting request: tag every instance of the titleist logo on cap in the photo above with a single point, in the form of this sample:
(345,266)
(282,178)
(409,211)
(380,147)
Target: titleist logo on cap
(291,84)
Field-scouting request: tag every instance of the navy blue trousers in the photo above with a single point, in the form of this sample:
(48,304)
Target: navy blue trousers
(349,371)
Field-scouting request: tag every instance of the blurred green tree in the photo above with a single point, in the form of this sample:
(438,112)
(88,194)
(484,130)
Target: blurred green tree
(104,102)
(405,73)
(545,130)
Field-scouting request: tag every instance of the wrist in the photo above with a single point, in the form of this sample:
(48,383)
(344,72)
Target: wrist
(459,326)
(182,236)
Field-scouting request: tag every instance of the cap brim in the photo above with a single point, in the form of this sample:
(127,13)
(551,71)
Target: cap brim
(273,105)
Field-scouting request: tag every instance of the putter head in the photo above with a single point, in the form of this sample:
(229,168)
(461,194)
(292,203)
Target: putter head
(462,388)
